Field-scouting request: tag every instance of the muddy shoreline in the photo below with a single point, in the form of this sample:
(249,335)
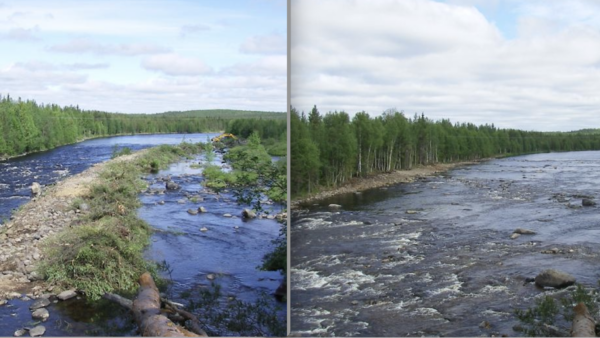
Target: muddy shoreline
(382,180)
(42,217)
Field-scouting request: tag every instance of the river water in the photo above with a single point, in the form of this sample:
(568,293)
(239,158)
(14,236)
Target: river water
(230,250)
(434,257)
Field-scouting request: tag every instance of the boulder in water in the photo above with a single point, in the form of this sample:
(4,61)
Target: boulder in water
(170,185)
(40,303)
(202,209)
(37,331)
(554,278)
(586,202)
(334,206)
(192,211)
(66,295)
(36,189)
(247,213)
(41,314)
(522,231)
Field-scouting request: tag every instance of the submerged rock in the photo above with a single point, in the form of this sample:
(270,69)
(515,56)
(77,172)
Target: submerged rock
(192,211)
(522,231)
(204,229)
(586,202)
(20,332)
(226,215)
(170,185)
(515,235)
(554,278)
(202,209)
(40,303)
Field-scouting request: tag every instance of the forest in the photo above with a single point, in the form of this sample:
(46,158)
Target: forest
(26,126)
(328,150)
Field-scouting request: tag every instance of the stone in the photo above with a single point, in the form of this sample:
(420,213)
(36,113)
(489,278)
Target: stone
(37,331)
(485,325)
(181,201)
(202,209)
(161,202)
(170,185)
(334,206)
(411,212)
(192,211)
(68,294)
(211,276)
(515,236)
(19,332)
(586,202)
(204,229)
(13,295)
(40,314)
(522,231)
(40,303)
(247,213)
(554,278)
(36,189)
(3,302)
(226,215)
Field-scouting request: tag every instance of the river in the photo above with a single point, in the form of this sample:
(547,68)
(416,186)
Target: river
(435,258)
(230,251)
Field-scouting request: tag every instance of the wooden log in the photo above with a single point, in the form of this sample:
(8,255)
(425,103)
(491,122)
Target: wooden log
(146,310)
(583,323)
(119,300)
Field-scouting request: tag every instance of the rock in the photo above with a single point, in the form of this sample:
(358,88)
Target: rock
(281,291)
(19,332)
(192,211)
(334,206)
(411,212)
(204,229)
(37,331)
(522,231)
(354,302)
(226,215)
(485,325)
(554,278)
(13,295)
(3,302)
(161,202)
(84,207)
(247,213)
(170,185)
(41,314)
(211,276)
(182,201)
(515,236)
(202,209)
(40,303)
(586,202)
(36,189)
(66,294)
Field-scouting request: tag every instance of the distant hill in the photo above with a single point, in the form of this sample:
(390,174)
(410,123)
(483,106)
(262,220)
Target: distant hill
(227,114)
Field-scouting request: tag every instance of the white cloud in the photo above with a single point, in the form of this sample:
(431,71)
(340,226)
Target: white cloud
(82,45)
(186,30)
(176,65)
(22,34)
(264,44)
(447,61)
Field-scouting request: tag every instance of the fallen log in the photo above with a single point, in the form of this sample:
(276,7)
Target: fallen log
(583,323)
(147,313)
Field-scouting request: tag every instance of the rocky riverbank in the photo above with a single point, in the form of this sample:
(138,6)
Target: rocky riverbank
(45,215)
(381,180)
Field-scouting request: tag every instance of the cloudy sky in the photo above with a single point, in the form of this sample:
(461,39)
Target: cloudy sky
(145,56)
(527,64)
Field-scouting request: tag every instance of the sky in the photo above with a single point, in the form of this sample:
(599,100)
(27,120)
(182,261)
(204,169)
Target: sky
(146,56)
(525,64)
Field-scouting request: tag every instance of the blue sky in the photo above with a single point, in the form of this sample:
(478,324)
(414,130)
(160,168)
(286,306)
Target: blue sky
(146,56)
(526,64)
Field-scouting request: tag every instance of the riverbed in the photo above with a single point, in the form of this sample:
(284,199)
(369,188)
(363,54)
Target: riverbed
(434,257)
(227,254)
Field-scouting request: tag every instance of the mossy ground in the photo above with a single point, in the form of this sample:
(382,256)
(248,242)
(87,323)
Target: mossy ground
(103,252)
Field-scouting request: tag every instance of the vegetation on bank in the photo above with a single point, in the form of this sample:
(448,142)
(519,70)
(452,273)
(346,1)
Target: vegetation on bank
(103,253)
(26,126)
(328,150)
(253,178)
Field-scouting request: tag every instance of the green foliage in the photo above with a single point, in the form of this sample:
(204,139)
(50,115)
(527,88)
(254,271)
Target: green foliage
(546,311)
(26,126)
(276,260)
(328,150)
(209,151)
(220,317)
(116,152)
(104,253)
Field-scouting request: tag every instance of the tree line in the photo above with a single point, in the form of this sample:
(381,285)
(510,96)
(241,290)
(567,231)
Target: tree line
(328,150)
(26,126)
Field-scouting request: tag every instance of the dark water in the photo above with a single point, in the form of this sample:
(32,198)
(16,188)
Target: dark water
(372,269)
(231,254)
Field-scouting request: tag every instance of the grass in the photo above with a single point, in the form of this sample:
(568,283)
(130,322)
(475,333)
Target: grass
(104,253)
